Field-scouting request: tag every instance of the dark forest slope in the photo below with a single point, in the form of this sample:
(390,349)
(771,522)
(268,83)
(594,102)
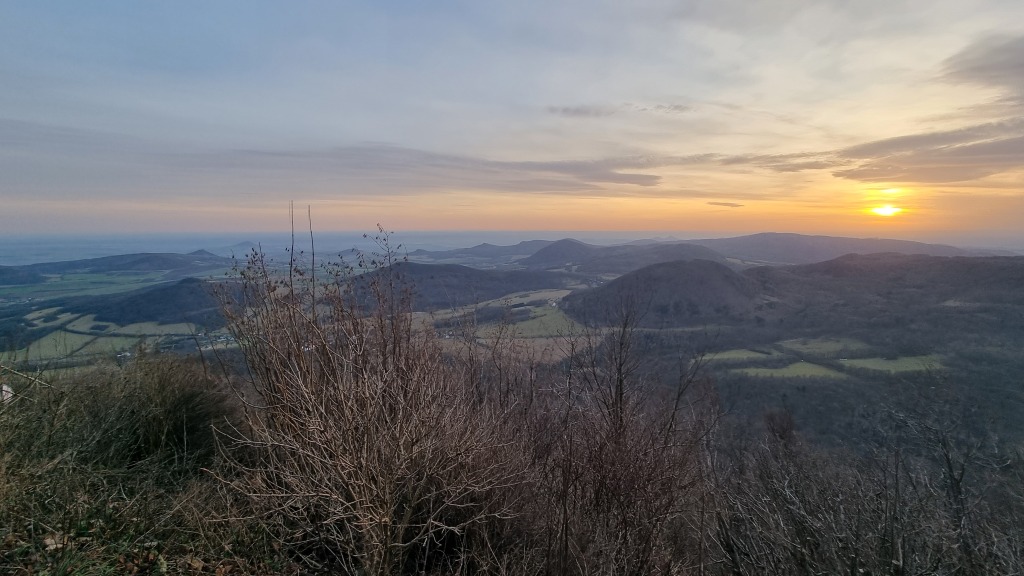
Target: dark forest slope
(441,286)
(669,294)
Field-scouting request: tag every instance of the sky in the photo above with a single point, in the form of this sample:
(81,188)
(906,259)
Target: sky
(867,118)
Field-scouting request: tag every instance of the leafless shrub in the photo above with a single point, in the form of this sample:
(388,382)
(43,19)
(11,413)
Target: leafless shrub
(619,465)
(367,448)
(921,503)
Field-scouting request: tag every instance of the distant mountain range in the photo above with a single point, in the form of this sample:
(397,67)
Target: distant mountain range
(193,263)
(576,256)
(742,251)
(779,248)
(682,283)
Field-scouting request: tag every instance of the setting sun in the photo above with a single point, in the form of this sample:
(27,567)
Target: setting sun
(887,210)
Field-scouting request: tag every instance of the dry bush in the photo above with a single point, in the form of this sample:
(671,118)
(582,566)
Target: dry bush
(365,448)
(92,463)
(619,463)
(926,502)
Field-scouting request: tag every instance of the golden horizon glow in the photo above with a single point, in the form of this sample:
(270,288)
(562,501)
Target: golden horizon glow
(887,210)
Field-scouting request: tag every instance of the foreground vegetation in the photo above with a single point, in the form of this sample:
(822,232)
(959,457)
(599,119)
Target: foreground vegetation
(358,440)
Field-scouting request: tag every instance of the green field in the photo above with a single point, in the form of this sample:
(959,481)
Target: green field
(823,347)
(88,323)
(83,285)
(742,355)
(93,284)
(905,364)
(55,345)
(108,345)
(49,317)
(154,329)
(524,297)
(546,321)
(82,336)
(795,370)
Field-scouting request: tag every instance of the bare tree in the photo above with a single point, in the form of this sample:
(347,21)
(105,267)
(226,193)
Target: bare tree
(369,451)
(619,460)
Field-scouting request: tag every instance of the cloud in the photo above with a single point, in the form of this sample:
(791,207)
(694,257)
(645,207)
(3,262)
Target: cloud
(948,156)
(56,163)
(659,108)
(944,164)
(595,111)
(726,204)
(581,111)
(996,61)
(963,154)
(797,162)
(915,142)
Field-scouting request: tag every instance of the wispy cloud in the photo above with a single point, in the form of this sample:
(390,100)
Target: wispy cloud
(659,108)
(996,61)
(581,111)
(54,162)
(726,204)
(963,154)
(944,164)
(601,111)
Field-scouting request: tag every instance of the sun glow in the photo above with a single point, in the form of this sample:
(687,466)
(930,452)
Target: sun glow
(887,210)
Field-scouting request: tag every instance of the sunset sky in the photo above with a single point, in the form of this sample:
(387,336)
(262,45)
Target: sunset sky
(894,118)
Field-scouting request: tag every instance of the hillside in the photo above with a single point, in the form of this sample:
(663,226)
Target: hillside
(13,275)
(614,260)
(445,286)
(857,290)
(482,251)
(680,293)
(627,258)
(188,300)
(144,262)
(778,248)
(565,252)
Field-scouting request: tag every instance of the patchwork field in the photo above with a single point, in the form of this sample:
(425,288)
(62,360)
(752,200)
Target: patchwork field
(905,364)
(817,357)
(742,355)
(823,347)
(82,338)
(795,370)
(546,322)
(85,284)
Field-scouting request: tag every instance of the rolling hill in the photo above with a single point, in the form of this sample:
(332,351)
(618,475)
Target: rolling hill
(585,258)
(875,290)
(779,248)
(483,251)
(15,275)
(669,293)
(187,300)
(444,286)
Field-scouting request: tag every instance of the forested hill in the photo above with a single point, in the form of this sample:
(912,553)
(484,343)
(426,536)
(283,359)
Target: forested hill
(194,261)
(585,258)
(446,286)
(853,289)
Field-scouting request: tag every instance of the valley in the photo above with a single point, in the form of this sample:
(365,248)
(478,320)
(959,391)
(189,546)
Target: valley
(824,339)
